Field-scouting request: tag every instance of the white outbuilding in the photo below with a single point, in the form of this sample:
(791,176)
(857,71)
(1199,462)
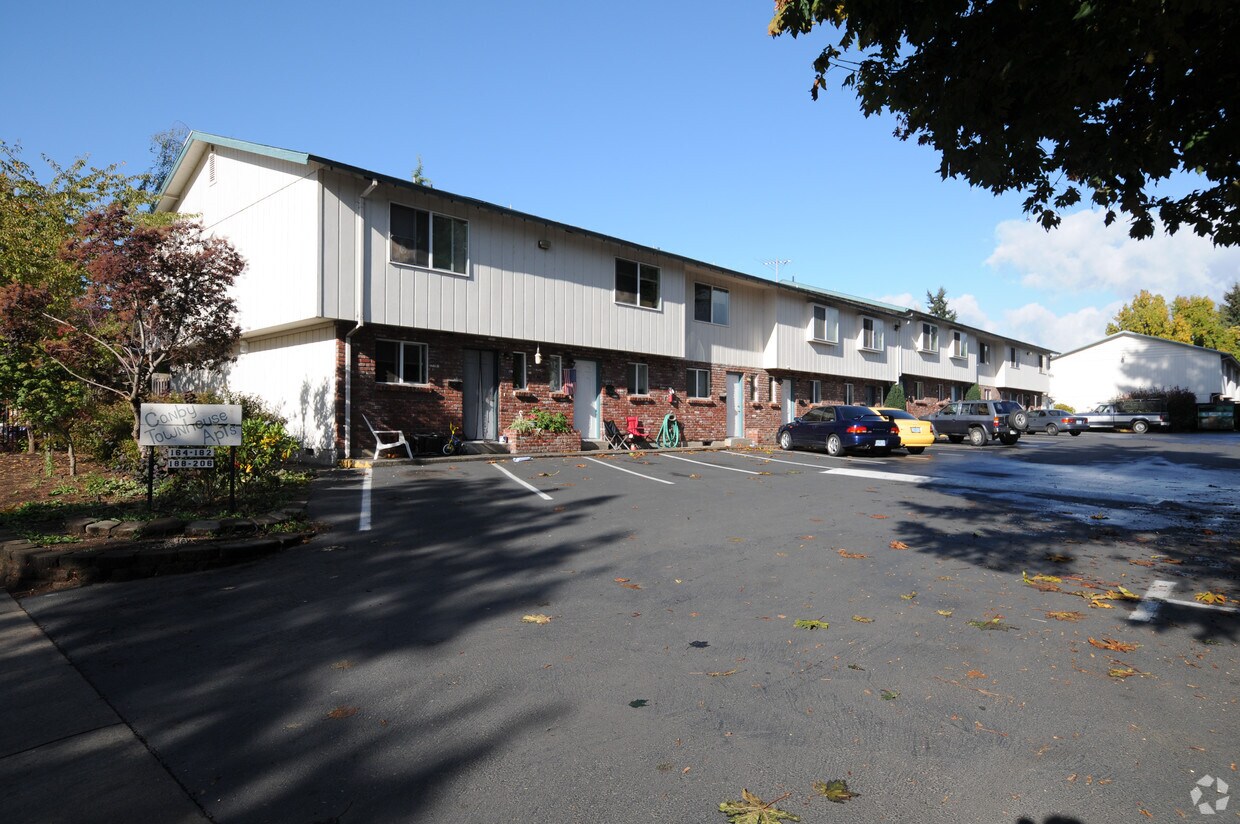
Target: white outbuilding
(1130,363)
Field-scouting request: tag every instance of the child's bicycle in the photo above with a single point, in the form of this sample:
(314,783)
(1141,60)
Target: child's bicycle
(454,444)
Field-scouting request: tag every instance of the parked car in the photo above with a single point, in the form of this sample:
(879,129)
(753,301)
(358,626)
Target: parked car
(1054,421)
(839,429)
(915,434)
(1139,415)
(981,421)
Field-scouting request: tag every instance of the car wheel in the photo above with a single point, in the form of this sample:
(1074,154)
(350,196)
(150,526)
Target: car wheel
(1051,429)
(835,447)
(956,438)
(785,440)
(915,450)
(1074,433)
(977,436)
(1020,420)
(1009,440)
(1140,427)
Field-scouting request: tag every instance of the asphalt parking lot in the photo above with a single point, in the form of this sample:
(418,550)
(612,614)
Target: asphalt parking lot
(384,672)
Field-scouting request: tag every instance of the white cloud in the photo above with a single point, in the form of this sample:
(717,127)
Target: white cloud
(1085,255)
(1062,333)
(902,299)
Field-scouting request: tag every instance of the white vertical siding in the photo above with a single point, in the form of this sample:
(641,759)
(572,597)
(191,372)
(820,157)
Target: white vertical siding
(512,288)
(1122,365)
(268,210)
(295,373)
(743,341)
(941,364)
(846,358)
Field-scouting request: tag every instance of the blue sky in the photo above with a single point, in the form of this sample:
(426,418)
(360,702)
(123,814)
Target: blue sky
(653,122)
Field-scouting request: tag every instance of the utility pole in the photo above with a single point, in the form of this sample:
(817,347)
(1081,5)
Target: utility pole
(776,262)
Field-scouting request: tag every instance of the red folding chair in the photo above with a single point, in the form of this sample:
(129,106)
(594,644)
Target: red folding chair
(636,430)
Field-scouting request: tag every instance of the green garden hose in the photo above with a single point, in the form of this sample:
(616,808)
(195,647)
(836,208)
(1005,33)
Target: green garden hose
(669,433)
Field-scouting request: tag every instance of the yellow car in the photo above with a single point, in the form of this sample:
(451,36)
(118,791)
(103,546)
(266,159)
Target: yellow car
(915,434)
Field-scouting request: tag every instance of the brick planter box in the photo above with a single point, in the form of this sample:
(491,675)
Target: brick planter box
(543,441)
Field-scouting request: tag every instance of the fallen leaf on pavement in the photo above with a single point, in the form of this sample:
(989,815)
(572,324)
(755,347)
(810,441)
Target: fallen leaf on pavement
(846,554)
(946,613)
(1059,558)
(723,674)
(898,545)
(538,618)
(975,674)
(1211,597)
(631,586)
(343,665)
(910,596)
(1065,616)
(621,580)
(1113,645)
(804,623)
(993,623)
(860,619)
(342,712)
(752,810)
(836,791)
(1122,672)
(890,695)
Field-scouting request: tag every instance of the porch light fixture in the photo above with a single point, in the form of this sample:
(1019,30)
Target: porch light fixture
(537,355)
(544,245)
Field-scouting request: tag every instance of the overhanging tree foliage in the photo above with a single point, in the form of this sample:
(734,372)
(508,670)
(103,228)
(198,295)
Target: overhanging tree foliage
(1057,100)
(1194,319)
(152,297)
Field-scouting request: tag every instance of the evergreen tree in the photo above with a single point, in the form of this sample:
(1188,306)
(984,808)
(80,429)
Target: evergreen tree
(895,397)
(936,305)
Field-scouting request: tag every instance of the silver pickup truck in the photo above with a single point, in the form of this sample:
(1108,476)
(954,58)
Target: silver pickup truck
(1139,416)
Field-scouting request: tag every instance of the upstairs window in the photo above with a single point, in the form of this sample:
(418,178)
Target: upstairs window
(400,362)
(1013,358)
(871,334)
(637,284)
(710,304)
(960,345)
(421,238)
(825,324)
(929,341)
(983,353)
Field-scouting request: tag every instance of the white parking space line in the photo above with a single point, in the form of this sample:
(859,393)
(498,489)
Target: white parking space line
(899,477)
(631,472)
(775,460)
(363,520)
(711,465)
(1148,608)
(530,487)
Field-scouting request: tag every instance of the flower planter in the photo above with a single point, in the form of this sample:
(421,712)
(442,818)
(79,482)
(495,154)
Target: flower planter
(527,442)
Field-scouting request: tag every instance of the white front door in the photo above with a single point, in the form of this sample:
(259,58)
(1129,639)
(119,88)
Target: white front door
(736,405)
(790,403)
(586,411)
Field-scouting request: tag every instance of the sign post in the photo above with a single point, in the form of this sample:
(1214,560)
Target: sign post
(192,431)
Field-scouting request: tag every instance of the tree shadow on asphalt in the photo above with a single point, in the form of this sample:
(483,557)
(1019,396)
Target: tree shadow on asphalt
(345,675)
(1013,541)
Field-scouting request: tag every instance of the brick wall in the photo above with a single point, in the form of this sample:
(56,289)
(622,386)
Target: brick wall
(432,407)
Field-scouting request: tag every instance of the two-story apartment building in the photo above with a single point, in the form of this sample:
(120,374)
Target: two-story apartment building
(368,297)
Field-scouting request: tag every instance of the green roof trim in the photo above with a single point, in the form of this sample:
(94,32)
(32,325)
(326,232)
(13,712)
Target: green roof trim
(300,158)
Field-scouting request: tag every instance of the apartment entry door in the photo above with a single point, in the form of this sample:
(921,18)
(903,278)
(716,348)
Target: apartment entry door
(736,405)
(480,389)
(586,410)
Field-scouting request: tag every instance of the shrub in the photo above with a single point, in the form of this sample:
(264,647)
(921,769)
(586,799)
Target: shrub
(551,421)
(895,397)
(1181,404)
(1065,407)
(974,393)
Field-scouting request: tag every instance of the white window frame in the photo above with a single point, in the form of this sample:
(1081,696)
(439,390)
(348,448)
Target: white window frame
(1013,357)
(919,390)
(713,314)
(753,388)
(433,222)
(1042,364)
(520,372)
(875,338)
(815,391)
(695,379)
(960,344)
(830,324)
(644,275)
(639,380)
(849,394)
(928,341)
(772,387)
(983,353)
(401,347)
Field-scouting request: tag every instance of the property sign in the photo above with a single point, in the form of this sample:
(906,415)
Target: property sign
(190,424)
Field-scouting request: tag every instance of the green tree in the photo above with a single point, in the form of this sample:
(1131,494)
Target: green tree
(895,397)
(1198,321)
(974,393)
(936,305)
(1146,315)
(1230,307)
(1054,100)
(419,177)
(166,147)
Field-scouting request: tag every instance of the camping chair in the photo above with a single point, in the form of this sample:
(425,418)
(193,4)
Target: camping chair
(615,438)
(381,445)
(636,430)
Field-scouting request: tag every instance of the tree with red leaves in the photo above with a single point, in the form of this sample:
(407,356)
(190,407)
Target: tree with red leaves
(152,298)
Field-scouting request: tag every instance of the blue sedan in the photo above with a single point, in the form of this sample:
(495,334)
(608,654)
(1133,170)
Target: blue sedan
(839,429)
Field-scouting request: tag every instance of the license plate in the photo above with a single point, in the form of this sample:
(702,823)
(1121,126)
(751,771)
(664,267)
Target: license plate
(914,428)
(880,442)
